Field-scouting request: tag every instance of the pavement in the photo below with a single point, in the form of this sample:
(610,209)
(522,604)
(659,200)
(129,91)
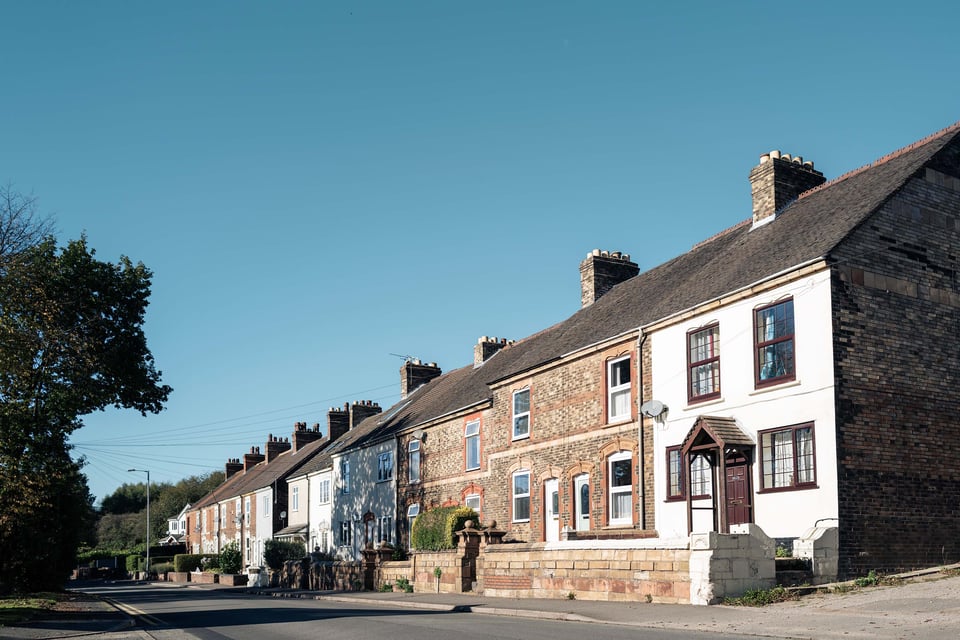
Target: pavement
(926,605)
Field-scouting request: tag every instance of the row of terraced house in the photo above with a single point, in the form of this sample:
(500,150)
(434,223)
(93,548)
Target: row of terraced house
(791,381)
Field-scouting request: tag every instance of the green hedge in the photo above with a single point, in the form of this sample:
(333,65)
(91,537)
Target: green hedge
(186,562)
(276,552)
(134,562)
(434,530)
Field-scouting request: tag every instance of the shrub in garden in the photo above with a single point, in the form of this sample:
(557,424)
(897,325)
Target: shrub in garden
(187,562)
(434,530)
(231,560)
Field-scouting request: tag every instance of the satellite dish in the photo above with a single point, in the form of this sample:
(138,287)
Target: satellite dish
(418,434)
(652,408)
(283,514)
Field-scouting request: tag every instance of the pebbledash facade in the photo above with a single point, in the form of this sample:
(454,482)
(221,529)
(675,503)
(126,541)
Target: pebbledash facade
(790,381)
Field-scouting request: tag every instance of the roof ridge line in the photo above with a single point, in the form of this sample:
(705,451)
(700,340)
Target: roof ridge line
(721,233)
(883,159)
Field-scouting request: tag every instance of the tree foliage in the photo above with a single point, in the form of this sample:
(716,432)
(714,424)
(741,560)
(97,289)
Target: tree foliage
(71,343)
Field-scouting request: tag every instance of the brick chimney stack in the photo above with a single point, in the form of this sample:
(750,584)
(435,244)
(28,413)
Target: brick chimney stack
(362,410)
(276,446)
(233,467)
(302,436)
(415,374)
(602,271)
(252,458)
(338,421)
(777,181)
(486,347)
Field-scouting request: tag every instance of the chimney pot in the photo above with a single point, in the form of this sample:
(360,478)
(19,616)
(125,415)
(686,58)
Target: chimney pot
(602,271)
(778,181)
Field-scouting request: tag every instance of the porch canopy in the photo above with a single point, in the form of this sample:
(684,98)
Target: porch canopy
(719,439)
(293,532)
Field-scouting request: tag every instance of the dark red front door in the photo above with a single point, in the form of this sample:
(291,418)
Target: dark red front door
(739,509)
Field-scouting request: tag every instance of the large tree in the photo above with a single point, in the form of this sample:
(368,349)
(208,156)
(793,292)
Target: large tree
(71,343)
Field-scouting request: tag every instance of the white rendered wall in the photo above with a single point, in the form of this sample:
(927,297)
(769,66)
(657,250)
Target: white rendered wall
(321,512)
(810,398)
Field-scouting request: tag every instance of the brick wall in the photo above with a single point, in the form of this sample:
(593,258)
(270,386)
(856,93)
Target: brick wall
(896,306)
(569,435)
(589,570)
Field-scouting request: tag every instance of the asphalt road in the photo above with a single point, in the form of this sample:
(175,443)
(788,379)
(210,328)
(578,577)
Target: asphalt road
(181,614)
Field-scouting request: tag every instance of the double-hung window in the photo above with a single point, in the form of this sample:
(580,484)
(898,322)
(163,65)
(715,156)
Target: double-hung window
(246,510)
(345,476)
(618,389)
(345,533)
(412,512)
(620,488)
(521,496)
(703,363)
(323,491)
(774,343)
(472,500)
(787,458)
(264,506)
(386,530)
(413,461)
(471,445)
(295,499)
(385,466)
(521,414)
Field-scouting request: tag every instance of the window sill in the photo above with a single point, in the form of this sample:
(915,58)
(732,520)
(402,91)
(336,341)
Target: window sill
(523,437)
(801,487)
(693,405)
(520,521)
(776,387)
(619,420)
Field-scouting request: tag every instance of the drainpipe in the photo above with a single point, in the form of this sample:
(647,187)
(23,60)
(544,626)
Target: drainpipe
(641,339)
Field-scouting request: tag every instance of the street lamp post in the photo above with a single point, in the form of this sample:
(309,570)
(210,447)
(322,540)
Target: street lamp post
(148,516)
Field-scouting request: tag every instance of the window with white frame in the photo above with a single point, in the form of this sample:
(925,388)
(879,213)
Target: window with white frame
(620,488)
(521,414)
(413,461)
(246,510)
(324,540)
(295,499)
(472,500)
(323,491)
(471,445)
(264,506)
(237,512)
(521,496)
(386,530)
(345,530)
(787,458)
(345,476)
(703,363)
(618,389)
(385,466)
(412,512)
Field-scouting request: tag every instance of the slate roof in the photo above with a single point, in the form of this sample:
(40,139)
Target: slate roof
(809,228)
(263,474)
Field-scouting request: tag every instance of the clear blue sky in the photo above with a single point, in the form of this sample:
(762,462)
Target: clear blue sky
(320,185)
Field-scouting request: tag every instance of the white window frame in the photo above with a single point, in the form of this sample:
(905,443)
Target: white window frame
(346,533)
(264,506)
(472,500)
(413,461)
(323,490)
(246,510)
(471,442)
(385,533)
(295,499)
(385,466)
(519,497)
(616,491)
(345,476)
(412,512)
(617,389)
(519,432)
